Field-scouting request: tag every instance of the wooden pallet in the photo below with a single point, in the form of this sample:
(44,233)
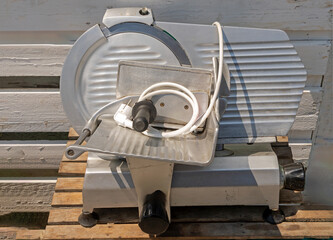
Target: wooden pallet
(187,222)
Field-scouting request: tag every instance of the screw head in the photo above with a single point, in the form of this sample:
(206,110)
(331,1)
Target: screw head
(70,152)
(144,11)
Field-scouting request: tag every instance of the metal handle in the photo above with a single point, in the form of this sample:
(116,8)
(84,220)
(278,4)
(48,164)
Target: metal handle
(74,151)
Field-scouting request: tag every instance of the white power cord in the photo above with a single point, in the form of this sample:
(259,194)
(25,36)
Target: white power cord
(194,122)
(188,95)
(123,114)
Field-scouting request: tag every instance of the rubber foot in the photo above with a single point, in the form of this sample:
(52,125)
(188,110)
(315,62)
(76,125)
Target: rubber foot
(88,219)
(224,153)
(273,217)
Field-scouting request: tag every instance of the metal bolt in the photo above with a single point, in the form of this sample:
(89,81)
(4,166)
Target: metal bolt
(144,11)
(70,152)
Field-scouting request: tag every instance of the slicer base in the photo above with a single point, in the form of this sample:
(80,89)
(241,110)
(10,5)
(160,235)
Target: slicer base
(249,177)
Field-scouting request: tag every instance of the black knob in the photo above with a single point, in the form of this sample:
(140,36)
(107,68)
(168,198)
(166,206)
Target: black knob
(154,218)
(143,113)
(294,176)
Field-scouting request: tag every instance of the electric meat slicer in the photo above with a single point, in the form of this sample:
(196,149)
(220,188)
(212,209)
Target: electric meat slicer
(177,114)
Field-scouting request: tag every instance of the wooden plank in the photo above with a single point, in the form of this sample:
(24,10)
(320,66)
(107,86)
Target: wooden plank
(66,216)
(48,59)
(72,134)
(69,184)
(29,234)
(72,168)
(242,230)
(296,135)
(26,194)
(301,151)
(305,123)
(42,111)
(78,15)
(314,60)
(312,215)
(310,101)
(307,113)
(319,174)
(20,233)
(282,139)
(29,59)
(67,199)
(31,154)
(70,142)
(324,133)
(32,111)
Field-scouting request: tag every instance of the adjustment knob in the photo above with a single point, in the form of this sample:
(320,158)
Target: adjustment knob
(154,218)
(294,176)
(143,113)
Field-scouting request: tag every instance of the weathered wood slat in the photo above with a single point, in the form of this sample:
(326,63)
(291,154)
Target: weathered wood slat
(67,199)
(69,184)
(32,59)
(300,135)
(312,215)
(20,233)
(196,230)
(314,60)
(76,15)
(72,134)
(48,59)
(31,154)
(42,111)
(26,194)
(319,174)
(48,156)
(72,168)
(32,111)
(301,151)
(64,216)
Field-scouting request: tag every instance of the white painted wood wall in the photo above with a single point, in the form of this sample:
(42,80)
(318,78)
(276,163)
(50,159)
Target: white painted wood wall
(35,37)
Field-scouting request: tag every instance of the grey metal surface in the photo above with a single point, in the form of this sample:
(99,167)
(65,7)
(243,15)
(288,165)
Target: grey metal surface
(109,138)
(154,32)
(249,177)
(267,76)
(149,176)
(115,16)
(135,77)
(89,76)
(71,76)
